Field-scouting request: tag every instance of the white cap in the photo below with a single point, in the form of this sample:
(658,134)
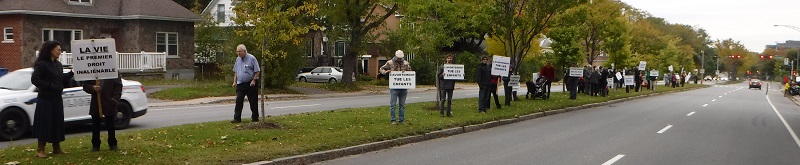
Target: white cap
(399,54)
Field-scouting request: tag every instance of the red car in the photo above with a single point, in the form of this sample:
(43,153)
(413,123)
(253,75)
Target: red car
(755,83)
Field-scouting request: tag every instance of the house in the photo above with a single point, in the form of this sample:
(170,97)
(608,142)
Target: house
(136,25)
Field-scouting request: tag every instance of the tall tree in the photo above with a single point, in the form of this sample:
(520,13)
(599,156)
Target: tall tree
(603,30)
(519,22)
(354,20)
(741,60)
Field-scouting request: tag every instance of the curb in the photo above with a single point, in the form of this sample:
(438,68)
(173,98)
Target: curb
(375,146)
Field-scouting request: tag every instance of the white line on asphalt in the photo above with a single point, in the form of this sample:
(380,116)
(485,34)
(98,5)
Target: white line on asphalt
(720,96)
(713,100)
(705,105)
(610,162)
(311,105)
(665,129)
(690,114)
(794,136)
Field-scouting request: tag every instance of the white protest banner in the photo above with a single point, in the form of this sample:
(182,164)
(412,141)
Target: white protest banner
(534,76)
(94,59)
(513,80)
(688,77)
(610,82)
(642,65)
(453,72)
(670,68)
(500,65)
(629,80)
(619,76)
(654,73)
(575,71)
(402,80)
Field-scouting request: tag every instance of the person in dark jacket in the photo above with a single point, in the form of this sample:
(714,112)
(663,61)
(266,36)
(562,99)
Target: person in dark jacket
(446,88)
(482,76)
(508,90)
(595,81)
(110,91)
(494,81)
(603,81)
(572,86)
(549,72)
(48,119)
(637,79)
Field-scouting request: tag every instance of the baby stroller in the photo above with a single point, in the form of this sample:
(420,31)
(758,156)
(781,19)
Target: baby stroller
(536,89)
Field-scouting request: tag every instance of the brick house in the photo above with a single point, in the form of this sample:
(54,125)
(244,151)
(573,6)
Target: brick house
(136,25)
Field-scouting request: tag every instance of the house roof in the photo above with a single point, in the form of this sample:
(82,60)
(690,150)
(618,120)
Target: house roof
(104,9)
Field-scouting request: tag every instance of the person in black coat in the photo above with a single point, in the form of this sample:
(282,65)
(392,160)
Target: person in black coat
(508,90)
(603,81)
(637,79)
(49,77)
(446,88)
(110,91)
(482,77)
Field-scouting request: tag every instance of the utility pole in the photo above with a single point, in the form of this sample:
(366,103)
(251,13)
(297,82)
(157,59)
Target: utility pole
(703,66)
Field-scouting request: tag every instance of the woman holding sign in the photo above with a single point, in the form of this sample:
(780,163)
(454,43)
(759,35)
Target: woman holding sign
(446,87)
(48,119)
(397,64)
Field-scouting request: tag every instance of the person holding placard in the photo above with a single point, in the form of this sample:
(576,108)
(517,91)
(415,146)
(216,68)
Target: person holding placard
(637,78)
(482,77)
(507,90)
(110,90)
(446,87)
(245,80)
(397,95)
(49,78)
(549,73)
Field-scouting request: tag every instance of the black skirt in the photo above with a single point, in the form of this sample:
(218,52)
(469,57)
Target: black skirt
(48,120)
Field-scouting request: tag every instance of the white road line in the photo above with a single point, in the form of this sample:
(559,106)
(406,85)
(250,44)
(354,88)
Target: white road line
(665,129)
(296,106)
(794,136)
(690,114)
(705,105)
(720,96)
(713,100)
(615,159)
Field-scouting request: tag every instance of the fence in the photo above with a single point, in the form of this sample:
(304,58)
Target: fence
(144,61)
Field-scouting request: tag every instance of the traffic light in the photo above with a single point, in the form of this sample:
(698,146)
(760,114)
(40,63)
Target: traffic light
(770,56)
(762,56)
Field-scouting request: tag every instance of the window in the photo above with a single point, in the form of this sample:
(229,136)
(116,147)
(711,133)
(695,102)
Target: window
(81,2)
(339,48)
(8,35)
(221,13)
(64,36)
(310,48)
(167,42)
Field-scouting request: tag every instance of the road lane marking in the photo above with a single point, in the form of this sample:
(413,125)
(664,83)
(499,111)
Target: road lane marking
(665,129)
(615,159)
(705,105)
(690,114)
(794,136)
(714,100)
(296,106)
(720,96)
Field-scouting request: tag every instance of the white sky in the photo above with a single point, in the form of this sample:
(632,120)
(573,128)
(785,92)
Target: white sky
(748,21)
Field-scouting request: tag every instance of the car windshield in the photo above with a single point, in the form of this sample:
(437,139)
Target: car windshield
(17,80)
(338,69)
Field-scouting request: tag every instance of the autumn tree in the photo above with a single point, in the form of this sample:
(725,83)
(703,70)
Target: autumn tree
(741,61)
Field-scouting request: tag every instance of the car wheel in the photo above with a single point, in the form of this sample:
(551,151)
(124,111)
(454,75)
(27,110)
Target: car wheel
(303,79)
(332,80)
(123,118)
(13,124)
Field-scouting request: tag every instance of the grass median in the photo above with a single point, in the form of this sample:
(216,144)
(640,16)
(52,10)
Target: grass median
(217,88)
(222,143)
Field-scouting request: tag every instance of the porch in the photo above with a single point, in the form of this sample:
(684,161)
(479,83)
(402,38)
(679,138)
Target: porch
(143,62)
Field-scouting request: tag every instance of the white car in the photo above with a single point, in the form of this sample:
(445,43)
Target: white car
(327,74)
(18,102)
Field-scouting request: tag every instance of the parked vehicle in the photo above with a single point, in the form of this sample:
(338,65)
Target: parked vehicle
(19,102)
(755,83)
(325,74)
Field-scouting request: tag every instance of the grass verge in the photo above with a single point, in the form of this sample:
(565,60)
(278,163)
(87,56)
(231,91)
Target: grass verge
(208,89)
(221,143)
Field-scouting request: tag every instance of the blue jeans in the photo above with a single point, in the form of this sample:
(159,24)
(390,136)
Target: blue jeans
(398,94)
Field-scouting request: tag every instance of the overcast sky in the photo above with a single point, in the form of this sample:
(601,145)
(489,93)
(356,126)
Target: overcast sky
(748,21)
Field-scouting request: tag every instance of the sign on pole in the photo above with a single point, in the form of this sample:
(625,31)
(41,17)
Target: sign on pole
(453,72)
(402,80)
(94,59)
(610,82)
(642,65)
(500,65)
(629,80)
(513,82)
(716,72)
(654,73)
(786,61)
(619,76)
(688,76)
(575,71)
(670,68)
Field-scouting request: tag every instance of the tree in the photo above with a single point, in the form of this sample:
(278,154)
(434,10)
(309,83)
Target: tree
(210,40)
(740,62)
(353,20)
(602,29)
(519,22)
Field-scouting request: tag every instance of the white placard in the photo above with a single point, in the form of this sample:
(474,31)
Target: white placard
(619,76)
(786,61)
(534,76)
(654,73)
(453,71)
(610,82)
(94,59)
(513,80)
(670,68)
(402,80)
(687,77)
(642,65)
(629,80)
(575,71)
(500,65)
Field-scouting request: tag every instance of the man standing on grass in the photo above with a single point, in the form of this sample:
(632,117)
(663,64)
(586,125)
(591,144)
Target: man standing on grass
(549,73)
(245,80)
(397,64)
(483,76)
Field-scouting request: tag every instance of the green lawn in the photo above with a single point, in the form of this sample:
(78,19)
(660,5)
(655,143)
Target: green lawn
(222,143)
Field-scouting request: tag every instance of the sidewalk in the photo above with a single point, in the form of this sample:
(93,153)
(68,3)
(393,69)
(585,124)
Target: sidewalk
(214,100)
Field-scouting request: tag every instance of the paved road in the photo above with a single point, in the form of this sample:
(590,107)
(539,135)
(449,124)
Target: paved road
(719,125)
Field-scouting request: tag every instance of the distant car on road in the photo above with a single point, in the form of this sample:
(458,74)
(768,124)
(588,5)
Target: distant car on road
(755,83)
(325,74)
(18,103)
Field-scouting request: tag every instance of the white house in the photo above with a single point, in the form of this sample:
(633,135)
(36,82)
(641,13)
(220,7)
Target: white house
(221,11)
